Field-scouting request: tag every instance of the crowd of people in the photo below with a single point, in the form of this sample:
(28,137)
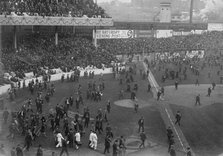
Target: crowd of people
(182,68)
(207,41)
(39,52)
(66,8)
(32,120)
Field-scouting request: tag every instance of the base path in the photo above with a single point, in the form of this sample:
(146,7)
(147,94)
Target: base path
(167,115)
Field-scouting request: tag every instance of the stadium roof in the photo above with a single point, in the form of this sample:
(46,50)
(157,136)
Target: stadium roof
(160,26)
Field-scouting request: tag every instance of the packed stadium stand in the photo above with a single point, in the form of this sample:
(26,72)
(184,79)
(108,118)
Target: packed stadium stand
(66,8)
(72,51)
(69,53)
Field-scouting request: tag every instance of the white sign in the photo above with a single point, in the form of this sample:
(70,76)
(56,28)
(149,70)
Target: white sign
(177,33)
(163,33)
(112,34)
(182,33)
(185,33)
(215,27)
(193,53)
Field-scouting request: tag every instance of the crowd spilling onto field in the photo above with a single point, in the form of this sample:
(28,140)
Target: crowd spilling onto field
(34,119)
(65,8)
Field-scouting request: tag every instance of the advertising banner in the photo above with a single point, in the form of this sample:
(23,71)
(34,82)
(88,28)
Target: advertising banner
(163,33)
(195,53)
(177,33)
(182,54)
(182,33)
(185,33)
(112,34)
(215,27)
(143,33)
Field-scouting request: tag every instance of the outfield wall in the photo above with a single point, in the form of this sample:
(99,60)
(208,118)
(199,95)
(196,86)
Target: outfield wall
(55,77)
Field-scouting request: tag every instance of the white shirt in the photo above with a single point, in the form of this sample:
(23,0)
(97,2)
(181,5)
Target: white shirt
(59,137)
(91,136)
(78,137)
(94,137)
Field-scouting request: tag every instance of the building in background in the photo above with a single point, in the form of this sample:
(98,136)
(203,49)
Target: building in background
(165,12)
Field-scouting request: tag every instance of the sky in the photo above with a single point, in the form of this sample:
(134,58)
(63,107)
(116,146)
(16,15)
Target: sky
(99,1)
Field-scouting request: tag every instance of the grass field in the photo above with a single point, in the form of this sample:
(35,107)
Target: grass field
(122,119)
(201,125)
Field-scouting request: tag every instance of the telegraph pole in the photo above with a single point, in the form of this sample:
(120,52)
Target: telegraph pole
(191,11)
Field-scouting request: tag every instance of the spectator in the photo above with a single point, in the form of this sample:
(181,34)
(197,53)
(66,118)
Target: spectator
(19,151)
(52,8)
(13,151)
(39,151)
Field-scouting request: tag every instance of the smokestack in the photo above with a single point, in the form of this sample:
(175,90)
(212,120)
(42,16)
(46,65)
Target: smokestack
(191,10)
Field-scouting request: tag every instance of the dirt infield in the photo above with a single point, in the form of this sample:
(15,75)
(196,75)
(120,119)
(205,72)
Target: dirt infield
(130,103)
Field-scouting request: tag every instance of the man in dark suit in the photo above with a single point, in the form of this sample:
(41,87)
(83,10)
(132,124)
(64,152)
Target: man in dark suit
(141,124)
(178,118)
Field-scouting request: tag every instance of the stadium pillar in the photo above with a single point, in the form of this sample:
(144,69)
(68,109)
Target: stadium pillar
(73,29)
(56,35)
(95,37)
(1,65)
(15,37)
(0,42)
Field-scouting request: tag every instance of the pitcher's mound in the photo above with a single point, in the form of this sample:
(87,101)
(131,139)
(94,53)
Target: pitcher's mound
(131,104)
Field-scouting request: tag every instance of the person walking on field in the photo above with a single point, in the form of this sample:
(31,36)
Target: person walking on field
(158,95)
(189,152)
(107,144)
(141,124)
(136,105)
(64,147)
(115,148)
(143,139)
(13,151)
(77,139)
(162,91)
(149,87)
(19,151)
(178,118)
(197,82)
(108,106)
(39,151)
(213,85)
(198,100)
(171,142)
(169,133)
(172,151)
(209,92)
(176,85)
(5,115)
